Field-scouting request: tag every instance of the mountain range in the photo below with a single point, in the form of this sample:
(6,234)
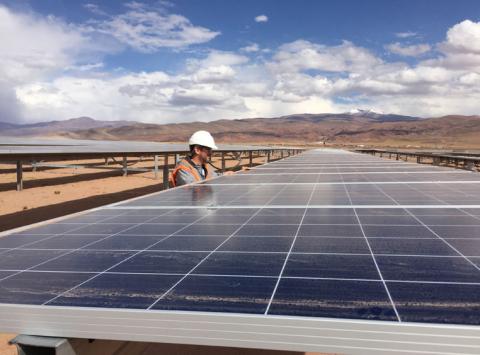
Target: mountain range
(357,127)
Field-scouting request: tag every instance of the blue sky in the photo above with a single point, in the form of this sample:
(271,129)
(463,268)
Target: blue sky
(173,61)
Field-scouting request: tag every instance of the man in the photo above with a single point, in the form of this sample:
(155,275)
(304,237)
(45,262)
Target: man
(194,167)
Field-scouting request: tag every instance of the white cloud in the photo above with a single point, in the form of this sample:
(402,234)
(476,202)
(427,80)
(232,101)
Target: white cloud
(464,37)
(413,50)
(33,48)
(148,29)
(221,73)
(86,67)
(217,58)
(304,55)
(461,48)
(254,47)
(55,70)
(261,18)
(40,46)
(94,9)
(407,34)
(207,86)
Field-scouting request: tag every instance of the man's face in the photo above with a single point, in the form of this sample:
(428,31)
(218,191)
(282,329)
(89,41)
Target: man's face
(203,152)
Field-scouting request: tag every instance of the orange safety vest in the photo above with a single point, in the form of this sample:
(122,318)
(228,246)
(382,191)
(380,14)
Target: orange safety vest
(186,166)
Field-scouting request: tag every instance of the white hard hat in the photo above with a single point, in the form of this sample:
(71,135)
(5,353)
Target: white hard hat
(202,138)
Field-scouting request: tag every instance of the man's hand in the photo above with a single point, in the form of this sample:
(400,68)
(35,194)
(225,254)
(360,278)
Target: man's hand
(230,172)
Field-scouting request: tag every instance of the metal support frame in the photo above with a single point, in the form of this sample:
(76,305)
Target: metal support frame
(19,175)
(269,155)
(155,166)
(288,333)
(470,165)
(223,162)
(165,171)
(124,164)
(36,345)
(467,161)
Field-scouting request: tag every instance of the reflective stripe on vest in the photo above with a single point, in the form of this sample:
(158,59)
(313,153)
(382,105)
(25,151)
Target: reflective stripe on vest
(184,165)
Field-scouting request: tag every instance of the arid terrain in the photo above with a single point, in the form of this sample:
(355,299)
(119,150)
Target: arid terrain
(349,129)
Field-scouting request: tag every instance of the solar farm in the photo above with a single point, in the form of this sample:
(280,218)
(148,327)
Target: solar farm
(328,250)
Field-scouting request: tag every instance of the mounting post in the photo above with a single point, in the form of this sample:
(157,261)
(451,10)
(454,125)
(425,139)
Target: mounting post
(469,165)
(19,175)
(155,166)
(165,172)
(125,169)
(223,162)
(250,158)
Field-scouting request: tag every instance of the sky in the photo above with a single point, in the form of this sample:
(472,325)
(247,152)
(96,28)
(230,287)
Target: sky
(202,60)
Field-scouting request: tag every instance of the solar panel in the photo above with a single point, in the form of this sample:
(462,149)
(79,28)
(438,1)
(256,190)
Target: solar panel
(334,257)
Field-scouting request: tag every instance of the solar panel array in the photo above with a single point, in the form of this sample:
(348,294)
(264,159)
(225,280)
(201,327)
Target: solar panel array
(326,234)
(11,146)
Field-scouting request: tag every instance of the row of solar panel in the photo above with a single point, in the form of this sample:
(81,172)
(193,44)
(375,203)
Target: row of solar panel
(392,263)
(355,299)
(295,195)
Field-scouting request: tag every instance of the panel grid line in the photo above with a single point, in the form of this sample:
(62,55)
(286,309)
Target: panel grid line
(434,233)
(373,257)
(259,276)
(60,234)
(126,259)
(73,250)
(289,252)
(213,251)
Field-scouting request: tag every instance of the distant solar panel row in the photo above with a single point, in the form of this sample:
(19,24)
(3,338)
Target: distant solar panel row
(232,260)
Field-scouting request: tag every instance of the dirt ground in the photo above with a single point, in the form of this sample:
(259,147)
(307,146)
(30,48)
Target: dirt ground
(5,348)
(53,192)
(108,347)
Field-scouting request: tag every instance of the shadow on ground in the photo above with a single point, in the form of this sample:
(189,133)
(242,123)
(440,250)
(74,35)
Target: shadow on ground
(34,215)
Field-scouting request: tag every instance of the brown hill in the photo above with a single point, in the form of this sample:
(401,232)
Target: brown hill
(54,127)
(441,132)
(360,128)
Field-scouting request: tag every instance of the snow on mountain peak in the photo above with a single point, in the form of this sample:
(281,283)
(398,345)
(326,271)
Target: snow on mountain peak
(359,111)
